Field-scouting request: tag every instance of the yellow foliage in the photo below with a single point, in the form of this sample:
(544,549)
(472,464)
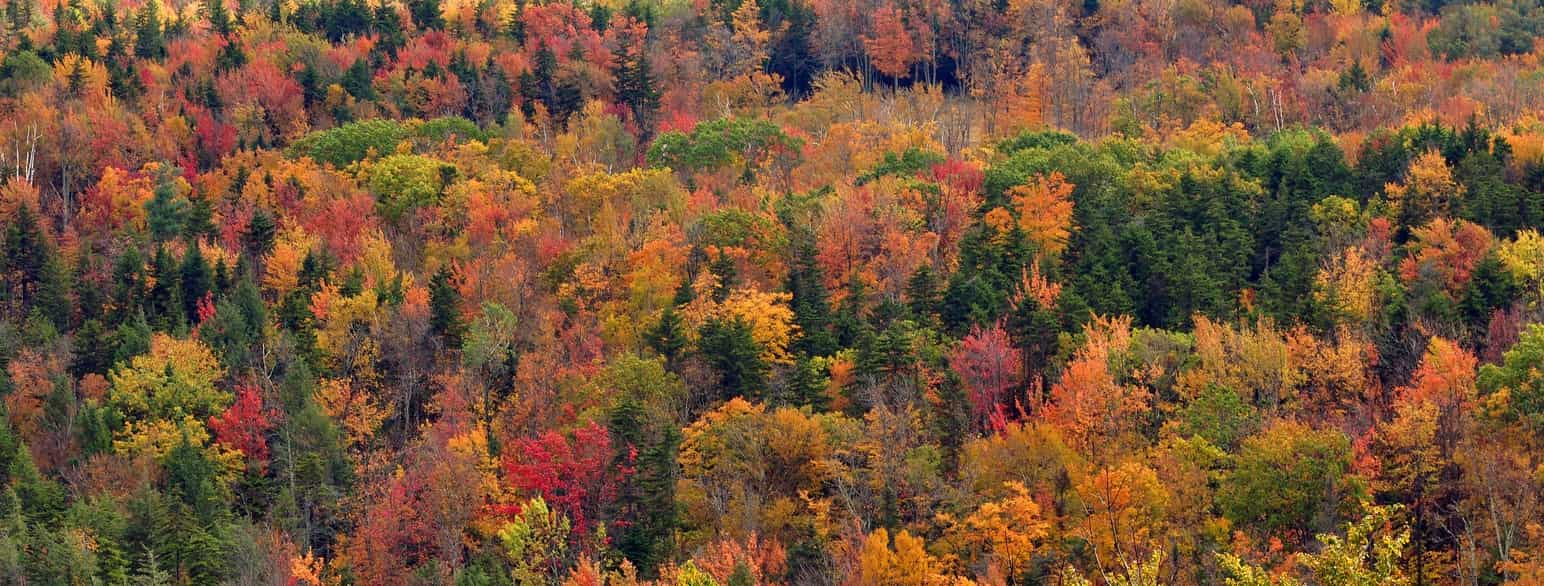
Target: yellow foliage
(767,314)
(1045,211)
(1428,189)
(176,379)
(1007,530)
(359,413)
(1123,507)
(1524,257)
(289,252)
(1348,284)
(906,564)
(1253,361)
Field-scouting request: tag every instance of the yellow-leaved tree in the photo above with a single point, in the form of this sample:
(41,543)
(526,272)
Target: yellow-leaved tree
(166,395)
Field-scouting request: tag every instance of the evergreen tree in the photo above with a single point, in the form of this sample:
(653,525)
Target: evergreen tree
(166,212)
(149,39)
(35,281)
(132,338)
(649,443)
(810,305)
(635,87)
(219,17)
(734,354)
(668,337)
(922,295)
(807,385)
(259,236)
(445,309)
(128,285)
(196,280)
(426,14)
(358,80)
(164,306)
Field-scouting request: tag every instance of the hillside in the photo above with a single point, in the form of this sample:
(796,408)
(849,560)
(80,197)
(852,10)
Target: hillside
(878,292)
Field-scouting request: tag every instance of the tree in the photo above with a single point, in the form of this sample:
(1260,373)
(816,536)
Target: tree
(1044,206)
(907,563)
(891,49)
(537,542)
(445,309)
(164,397)
(1094,409)
(635,87)
(148,40)
(575,473)
(196,281)
(731,348)
(989,366)
(166,212)
(244,427)
(1515,387)
(1428,191)
(1289,478)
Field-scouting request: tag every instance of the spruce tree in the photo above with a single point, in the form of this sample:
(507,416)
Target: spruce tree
(668,337)
(445,309)
(196,280)
(149,37)
(635,87)
(734,354)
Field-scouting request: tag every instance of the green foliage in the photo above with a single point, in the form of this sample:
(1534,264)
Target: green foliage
(403,183)
(1288,477)
(1517,385)
(22,71)
(450,127)
(536,543)
(738,142)
(351,143)
(1218,416)
(734,354)
(906,164)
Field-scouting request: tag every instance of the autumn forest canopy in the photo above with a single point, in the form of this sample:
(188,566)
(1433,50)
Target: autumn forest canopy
(749,292)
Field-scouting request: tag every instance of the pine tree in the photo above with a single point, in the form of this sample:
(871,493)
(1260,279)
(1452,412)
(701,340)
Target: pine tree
(128,285)
(19,14)
(950,419)
(635,87)
(259,236)
(807,385)
(445,309)
(196,279)
(538,84)
(733,353)
(357,80)
(149,37)
(53,291)
(34,278)
(922,295)
(166,212)
(426,14)
(164,304)
(24,256)
(132,338)
(219,17)
(668,337)
(648,496)
(811,306)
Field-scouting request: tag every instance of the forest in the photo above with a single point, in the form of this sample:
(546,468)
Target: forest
(751,292)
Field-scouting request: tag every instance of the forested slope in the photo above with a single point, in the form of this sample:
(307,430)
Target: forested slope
(806,291)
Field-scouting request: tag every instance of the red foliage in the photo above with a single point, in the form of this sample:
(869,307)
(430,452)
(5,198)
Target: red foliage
(560,26)
(989,365)
(573,473)
(245,425)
